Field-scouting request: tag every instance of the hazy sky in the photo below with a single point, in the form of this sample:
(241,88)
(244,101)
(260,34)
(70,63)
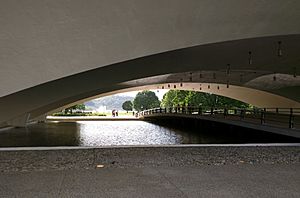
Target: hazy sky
(159,92)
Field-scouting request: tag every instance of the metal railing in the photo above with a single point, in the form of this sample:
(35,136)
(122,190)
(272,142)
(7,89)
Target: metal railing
(276,117)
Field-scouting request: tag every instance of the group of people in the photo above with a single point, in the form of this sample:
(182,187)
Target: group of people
(115,113)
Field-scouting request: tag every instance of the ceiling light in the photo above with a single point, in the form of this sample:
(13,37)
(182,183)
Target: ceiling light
(279,50)
(250,58)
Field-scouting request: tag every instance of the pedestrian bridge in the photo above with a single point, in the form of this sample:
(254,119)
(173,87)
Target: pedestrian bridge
(275,120)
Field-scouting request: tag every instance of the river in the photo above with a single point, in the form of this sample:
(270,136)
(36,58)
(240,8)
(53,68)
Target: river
(107,133)
(96,133)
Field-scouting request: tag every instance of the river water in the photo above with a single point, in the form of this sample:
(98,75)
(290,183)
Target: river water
(97,133)
(107,133)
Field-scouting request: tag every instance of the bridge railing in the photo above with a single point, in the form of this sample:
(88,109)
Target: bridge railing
(278,117)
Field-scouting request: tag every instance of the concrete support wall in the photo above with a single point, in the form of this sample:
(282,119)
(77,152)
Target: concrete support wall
(20,121)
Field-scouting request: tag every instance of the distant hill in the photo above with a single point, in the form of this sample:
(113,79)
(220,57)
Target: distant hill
(111,102)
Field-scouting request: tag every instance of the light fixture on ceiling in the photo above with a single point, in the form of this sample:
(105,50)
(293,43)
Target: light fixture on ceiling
(279,50)
(228,69)
(250,58)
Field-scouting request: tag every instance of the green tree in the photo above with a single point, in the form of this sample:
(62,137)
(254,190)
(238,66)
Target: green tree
(168,99)
(174,98)
(229,102)
(75,107)
(195,99)
(192,98)
(127,105)
(145,100)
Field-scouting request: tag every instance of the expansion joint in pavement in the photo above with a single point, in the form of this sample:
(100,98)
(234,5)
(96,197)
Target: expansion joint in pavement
(166,178)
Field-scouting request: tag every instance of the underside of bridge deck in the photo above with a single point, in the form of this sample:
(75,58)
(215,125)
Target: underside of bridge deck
(54,54)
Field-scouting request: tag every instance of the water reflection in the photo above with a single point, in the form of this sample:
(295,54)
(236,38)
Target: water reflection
(130,133)
(96,133)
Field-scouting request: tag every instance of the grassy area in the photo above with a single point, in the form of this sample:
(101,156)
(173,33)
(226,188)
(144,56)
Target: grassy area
(121,113)
(78,114)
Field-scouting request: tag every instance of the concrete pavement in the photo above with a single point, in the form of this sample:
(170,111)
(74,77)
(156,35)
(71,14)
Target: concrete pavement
(244,180)
(254,170)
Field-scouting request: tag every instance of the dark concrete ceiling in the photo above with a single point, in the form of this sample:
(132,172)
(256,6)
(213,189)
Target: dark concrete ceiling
(53,53)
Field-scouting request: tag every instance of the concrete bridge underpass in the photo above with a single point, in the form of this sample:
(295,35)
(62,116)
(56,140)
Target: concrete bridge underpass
(55,54)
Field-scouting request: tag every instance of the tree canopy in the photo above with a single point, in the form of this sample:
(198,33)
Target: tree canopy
(145,100)
(192,98)
(127,105)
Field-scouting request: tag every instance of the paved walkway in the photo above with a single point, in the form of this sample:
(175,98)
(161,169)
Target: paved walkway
(271,170)
(200,181)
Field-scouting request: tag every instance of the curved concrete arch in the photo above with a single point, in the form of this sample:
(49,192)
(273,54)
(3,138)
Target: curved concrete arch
(42,41)
(199,63)
(53,53)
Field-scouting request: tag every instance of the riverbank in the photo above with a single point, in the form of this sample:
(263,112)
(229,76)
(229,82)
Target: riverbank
(62,158)
(89,118)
